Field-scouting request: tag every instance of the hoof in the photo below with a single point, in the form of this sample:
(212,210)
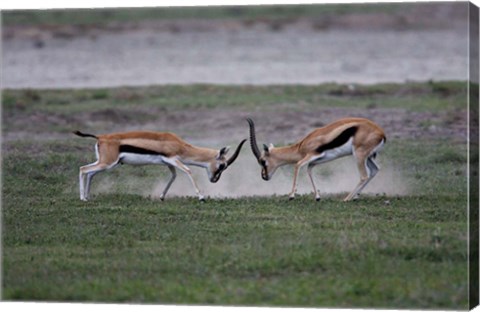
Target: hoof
(202,199)
(291,197)
(317,199)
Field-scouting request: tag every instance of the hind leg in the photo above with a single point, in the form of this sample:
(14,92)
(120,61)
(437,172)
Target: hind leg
(86,174)
(373,167)
(368,169)
(172,178)
(364,178)
(315,191)
(84,180)
(372,171)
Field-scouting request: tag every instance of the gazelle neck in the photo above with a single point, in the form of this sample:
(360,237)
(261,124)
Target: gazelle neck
(199,156)
(286,154)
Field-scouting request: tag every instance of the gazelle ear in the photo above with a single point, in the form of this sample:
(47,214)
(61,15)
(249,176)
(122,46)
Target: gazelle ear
(265,148)
(223,151)
(271,146)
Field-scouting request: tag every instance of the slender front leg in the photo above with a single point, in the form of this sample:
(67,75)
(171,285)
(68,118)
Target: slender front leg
(298,166)
(172,178)
(187,170)
(315,191)
(294,187)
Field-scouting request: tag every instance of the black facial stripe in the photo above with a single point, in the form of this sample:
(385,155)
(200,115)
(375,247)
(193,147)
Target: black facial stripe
(338,141)
(138,150)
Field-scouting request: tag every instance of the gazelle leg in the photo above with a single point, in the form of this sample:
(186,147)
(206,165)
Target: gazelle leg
(363,181)
(87,172)
(104,161)
(315,191)
(89,182)
(81,184)
(368,169)
(82,175)
(373,167)
(372,171)
(298,166)
(294,188)
(89,177)
(172,178)
(187,170)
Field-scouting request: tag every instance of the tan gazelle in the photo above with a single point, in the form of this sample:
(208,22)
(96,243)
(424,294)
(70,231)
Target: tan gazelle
(359,137)
(160,148)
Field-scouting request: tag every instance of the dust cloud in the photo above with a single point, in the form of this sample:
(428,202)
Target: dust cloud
(243,179)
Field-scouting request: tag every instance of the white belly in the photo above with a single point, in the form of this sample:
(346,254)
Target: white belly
(138,159)
(343,150)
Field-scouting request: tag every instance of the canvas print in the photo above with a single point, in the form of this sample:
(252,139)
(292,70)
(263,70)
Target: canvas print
(320,155)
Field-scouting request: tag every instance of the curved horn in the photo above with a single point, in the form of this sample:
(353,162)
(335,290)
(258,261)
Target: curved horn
(253,139)
(235,155)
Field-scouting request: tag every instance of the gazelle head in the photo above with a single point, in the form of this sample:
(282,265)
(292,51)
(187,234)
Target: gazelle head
(266,158)
(220,163)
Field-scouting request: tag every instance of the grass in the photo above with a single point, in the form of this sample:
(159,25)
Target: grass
(415,96)
(63,106)
(378,252)
(253,251)
(104,17)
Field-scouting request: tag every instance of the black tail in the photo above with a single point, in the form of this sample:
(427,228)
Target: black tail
(84,134)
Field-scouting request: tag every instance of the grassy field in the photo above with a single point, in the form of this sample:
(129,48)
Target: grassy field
(104,17)
(382,251)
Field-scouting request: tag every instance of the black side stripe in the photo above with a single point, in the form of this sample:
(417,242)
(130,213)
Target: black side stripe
(338,141)
(138,150)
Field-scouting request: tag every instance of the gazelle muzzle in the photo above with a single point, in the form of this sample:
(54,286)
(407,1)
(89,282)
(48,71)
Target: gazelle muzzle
(265,173)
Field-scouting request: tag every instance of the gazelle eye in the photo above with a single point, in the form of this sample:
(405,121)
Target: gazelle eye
(221,167)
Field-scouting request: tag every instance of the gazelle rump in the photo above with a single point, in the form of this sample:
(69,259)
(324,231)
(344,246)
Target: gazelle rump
(160,148)
(359,137)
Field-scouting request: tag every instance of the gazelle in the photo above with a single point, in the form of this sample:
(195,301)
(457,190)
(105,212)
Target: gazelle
(358,136)
(160,148)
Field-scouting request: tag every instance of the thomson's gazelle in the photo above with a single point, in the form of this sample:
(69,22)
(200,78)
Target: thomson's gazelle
(161,148)
(349,136)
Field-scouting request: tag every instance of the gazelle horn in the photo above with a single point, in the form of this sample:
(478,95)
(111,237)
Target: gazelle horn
(237,152)
(253,139)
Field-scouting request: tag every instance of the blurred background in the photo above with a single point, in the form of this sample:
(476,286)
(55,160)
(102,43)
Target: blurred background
(283,44)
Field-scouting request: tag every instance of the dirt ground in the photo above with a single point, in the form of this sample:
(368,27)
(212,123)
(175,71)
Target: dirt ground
(353,48)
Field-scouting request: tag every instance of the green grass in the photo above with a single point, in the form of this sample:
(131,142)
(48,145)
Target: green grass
(104,17)
(415,96)
(66,106)
(381,251)
(253,251)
